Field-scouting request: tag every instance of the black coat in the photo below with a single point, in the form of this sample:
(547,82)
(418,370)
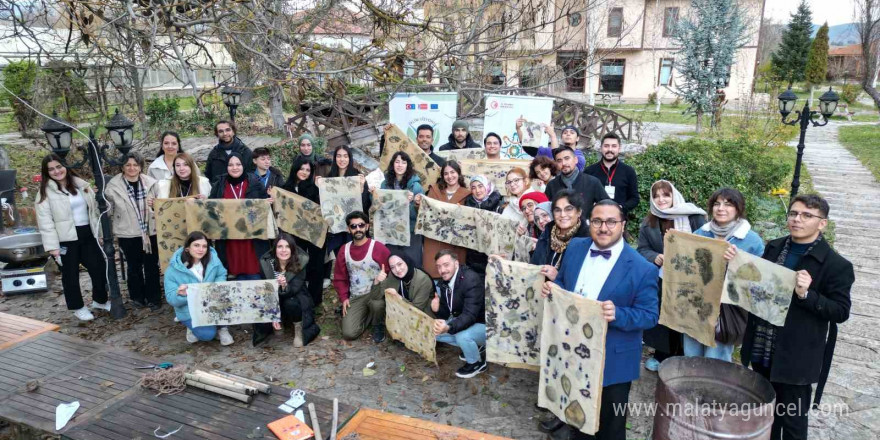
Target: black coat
(469,142)
(543,254)
(495,203)
(305,189)
(468,301)
(802,354)
(295,300)
(625,182)
(589,187)
(255,190)
(651,238)
(216,163)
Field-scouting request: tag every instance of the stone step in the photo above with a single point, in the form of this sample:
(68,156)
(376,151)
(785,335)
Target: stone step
(856,348)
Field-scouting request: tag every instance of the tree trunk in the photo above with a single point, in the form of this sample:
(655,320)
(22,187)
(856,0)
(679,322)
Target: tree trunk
(872,92)
(276,106)
(699,127)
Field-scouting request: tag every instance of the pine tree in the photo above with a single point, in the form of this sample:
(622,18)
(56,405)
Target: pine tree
(708,41)
(790,58)
(817,61)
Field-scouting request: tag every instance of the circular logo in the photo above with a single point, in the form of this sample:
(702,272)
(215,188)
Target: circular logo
(493,104)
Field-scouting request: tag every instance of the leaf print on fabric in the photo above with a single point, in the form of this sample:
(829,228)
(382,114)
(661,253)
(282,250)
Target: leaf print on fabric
(578,365)
(299,216)
(472,228)
(396,140)
(231,219)
(233,302)
(513,313)
(410,325)
(692,284)
(494,170)
(389,217)
(462,154)
(171,228)
(759,286)
(340,196)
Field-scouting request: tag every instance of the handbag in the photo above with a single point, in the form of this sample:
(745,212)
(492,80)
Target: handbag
(731,324)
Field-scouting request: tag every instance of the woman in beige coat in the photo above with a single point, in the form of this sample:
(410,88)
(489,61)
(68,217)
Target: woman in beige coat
(67,216)
(136,231)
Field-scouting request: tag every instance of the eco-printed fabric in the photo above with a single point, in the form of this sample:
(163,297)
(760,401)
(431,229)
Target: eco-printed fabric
(494,170)
(340,196)
(389,217)
(233,302)
(572,359)
(513,313)
(299,216)
(760,287)
(231,219)
(396,140)
(171,229)
(693,276)
(503,110)
(410,325)
(462,154)
(472,228)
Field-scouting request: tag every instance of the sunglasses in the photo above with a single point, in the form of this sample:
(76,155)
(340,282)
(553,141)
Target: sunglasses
(356,226)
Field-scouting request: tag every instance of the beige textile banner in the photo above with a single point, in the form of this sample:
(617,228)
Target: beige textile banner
(514,310)
(340,196)
(231,219)
(389,216)
(396,140)
(233,302)
(693,276)
(572,359)
(462,154)
(759,286)
(410,325)
(495,170)
(299,216)
(171,229)
(472,228)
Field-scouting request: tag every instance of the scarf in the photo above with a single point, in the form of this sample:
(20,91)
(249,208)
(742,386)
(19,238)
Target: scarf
(490,187)
(678,212)
(138,198)
(726,231)
(311,139)
(568,181)
(235,180)
(408,276)
(559,240)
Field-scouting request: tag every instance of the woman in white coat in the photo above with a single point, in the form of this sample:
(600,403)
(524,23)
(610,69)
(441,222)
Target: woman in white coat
(67,216)
(162,167)
(186,181)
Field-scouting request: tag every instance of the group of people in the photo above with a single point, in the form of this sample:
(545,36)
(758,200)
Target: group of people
(574,213)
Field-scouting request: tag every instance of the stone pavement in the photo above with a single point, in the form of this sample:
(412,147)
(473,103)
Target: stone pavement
(854,382)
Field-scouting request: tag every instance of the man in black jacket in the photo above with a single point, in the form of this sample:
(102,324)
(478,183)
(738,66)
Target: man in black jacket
(460,309)
(269,176)
(459,138)
(425,140)
(227,143)
(619,179)
(797,354)
(589,187)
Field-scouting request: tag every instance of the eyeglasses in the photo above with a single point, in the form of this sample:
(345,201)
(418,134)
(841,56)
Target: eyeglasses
(804,215)
(597,223)
(568,210)
(356,226)
(513,181)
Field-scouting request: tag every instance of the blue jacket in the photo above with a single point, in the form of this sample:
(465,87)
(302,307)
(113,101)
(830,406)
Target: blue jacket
(414,186)
(632,287)
(744,238)
(178,274)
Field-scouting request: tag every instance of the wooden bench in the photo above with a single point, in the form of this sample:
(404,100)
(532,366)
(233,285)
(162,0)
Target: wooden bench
(370,424)
(14,329)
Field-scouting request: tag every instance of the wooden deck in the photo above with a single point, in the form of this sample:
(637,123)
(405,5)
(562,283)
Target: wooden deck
(371,424)
(112,406)
(14,328)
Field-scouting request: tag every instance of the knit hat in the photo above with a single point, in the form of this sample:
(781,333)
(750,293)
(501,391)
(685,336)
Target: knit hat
(535,196)
(572,127)
(460,124)
(546,207)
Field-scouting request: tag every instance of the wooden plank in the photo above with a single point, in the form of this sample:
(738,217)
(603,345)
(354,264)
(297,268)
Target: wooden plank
(371,424)
(14,329)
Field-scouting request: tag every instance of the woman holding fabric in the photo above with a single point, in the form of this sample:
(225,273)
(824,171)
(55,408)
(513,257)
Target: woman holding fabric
(542,169)
(483,196)
(408,282)
(668,211)
(162,166)
(543,216)
(400,175)
(136,231)
(194,263)
(286,263)
(727,222)
(528,203)
(67,216)
(517,184)
(450,189)
(567,207)
(301,182)
(186,182)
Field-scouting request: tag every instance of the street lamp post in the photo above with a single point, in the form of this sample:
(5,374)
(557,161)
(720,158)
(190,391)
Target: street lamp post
(59,135)
(805,117)
(231,97)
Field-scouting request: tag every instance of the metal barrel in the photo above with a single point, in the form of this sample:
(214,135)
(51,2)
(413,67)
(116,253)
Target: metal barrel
(703,399)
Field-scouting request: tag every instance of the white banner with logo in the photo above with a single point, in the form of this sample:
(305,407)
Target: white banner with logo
(409,110)
(502,111)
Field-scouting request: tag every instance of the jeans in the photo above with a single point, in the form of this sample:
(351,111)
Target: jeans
(468,340)
(694,348)
(204,333)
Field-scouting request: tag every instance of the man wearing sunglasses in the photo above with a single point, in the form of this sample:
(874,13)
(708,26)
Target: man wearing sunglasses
(361,264)
(797,355)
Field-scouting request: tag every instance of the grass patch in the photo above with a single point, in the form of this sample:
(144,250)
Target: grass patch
(861,141)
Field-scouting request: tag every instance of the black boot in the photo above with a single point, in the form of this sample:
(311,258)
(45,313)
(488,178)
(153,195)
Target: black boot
(262,332)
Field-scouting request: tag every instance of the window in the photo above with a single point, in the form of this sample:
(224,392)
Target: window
(574,19)
(611,76)
(529,75)
(615,22)
(670,21)
(665,76)
(575,72)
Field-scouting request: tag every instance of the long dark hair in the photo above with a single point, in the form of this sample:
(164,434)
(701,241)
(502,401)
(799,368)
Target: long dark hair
(351,170)
(441,184)
(162,140)
(186,258)
(730,195)
(293,263)
(69,184)
(292,178)
(391,176)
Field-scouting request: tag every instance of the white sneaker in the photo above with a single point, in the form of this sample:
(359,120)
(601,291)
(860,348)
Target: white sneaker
(104,306)
(326,283)
(176,320)
(84,314)
(225,337)
(191,337)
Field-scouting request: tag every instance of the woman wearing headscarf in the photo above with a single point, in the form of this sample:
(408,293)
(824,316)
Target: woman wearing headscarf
(302,182)
(567,207)
(401,176)
(307,146)
(449,188)
(483,196)
(668,211)
(408,282)
(528,203)
(543,216)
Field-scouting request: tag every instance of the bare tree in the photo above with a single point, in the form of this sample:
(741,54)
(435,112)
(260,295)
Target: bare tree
(867,18)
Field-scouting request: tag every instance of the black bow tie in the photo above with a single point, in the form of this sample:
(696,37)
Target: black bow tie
(605,253)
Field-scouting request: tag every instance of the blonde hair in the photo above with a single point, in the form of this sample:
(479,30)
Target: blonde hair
(174,189)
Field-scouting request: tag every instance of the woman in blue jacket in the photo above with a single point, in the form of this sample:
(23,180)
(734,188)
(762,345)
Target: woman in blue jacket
(400,175)
(728,222)
(194,263)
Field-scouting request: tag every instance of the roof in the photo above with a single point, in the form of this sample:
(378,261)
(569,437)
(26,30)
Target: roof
(851,50)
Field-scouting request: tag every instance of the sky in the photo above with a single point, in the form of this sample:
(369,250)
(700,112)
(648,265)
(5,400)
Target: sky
(834,11)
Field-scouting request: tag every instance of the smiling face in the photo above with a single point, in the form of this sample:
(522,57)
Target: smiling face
(802,229)
(170,147)
(304,171)
(282,250)
(425,139)
(225,133)
(493,147)
(610,149)
(565,214)
(234,167)
(515,184)
(566,162)
(342,159)
(131,169)
(57,171)
(528,209)
(604,234)
(398,266)
(450,176)
(478,190)
(542,218)
(447,266)
(569,137)
(400,166)
(724,212)
(358,228)
(544,173)
(662,199)
(305,147)
(181,169)
(197,249)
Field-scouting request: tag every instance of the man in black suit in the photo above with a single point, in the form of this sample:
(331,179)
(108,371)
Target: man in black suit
(620,180)
(589,187)
(459,305)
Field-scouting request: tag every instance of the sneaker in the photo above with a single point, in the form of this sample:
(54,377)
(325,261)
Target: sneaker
(482,354)
(471,370)
(84,314)
(191,337)
(102,306)
(176,319)
(652,364)
(378,333)
(326,283)
(225,337)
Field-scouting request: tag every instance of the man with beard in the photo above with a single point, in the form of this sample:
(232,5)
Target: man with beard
(361,264)
(589,187)
(227,143)
(425,140)
(459,138)
(459,307)
(606,269)
(619,179)
(570,138)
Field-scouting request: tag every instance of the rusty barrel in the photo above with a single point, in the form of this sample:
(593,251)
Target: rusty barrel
(702,399)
